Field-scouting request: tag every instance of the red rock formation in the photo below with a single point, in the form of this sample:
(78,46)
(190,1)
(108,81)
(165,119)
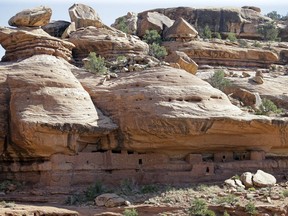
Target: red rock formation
(22,43)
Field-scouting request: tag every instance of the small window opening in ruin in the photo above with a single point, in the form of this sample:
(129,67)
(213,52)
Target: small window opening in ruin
(224,157)
(140,161)
(87,162)
(207,170)
(130,152)
(116,151)
(243,156)
(100,150)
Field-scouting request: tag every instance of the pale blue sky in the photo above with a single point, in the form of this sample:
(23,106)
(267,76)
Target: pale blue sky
(109,10)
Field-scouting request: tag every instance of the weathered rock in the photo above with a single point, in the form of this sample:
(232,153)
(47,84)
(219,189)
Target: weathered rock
(38,16)
(242,21)
(26,42)
(258,79)
(245,74)
(263,179)
(84,16)
(4,110)
(246,97)
(68,31)
(109,200)
(130,21)
(257,9)
(230,183)
(169,110)
(219,54)
(50,112)
(180,30)
(105,42)
(246,179)
(56,28)
(239,183)
(184,62)
(152,21)
(36,210)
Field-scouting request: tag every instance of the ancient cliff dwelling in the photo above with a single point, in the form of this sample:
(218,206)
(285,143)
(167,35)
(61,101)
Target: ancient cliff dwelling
(169,96)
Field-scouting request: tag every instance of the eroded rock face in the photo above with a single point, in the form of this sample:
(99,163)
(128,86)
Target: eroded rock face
(242,21)
(220,54)
(183,61)
(38,16)
(50,112)
(22,43)
(263,179)
(172,111)
(84,16)
(105,42)
(56,28)
(130,20)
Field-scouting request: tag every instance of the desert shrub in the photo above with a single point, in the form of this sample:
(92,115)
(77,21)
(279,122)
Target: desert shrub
(200,208)
(207,34)
(122,26)
(157,51)
(257,44)
(230,199)
(285,193)
(149,189)
(267,107)
(231,37)
(226,213)
(268,31)
(121,58)
(130,212)
(250,208)
(274,15)
(217,35)
(219,81)
(243,43)
(96,64)
(93,191)
(152,36)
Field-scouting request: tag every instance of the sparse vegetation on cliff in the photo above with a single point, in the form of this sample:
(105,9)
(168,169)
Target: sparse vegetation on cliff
(268,31)
(122,26)
(130,212)
(207,34)
(268,107)
(96,64)
(219,81)
(154,40)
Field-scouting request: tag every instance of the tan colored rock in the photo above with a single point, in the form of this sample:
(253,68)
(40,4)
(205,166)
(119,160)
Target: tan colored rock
(257,9)
(130,20)
(246,97)
(258,79)
(56,28)
(246,179)
(219,54)
(259,74)
(263,179)
(68,31)
(39,16)
(84,16)
(105,42)
(26,42)
(183,61)
(230,183)
(152,21)
(4,110)
(181,30)
(50,112)
(171,111)
(109,200)
(245,74)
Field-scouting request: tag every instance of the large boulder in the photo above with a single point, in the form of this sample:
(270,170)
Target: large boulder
(56,28)
(247,179)
(152,21)
(38,16)
(26,42)
(84,16)
(105,42)
(263,179)
(50,112)
(128,22)
(168,110)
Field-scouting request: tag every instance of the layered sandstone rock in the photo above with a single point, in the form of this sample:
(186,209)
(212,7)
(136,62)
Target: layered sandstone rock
(4,110)
(152,21)
(84,16)
(23,42)
(172,111)
(105,42)
(38,16)
(56,28)
(220,54)
(183,61)
(242,21)
(50,112)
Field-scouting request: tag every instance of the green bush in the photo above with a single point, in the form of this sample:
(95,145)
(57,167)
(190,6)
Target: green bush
(231,37)
(274,15)
(243,43)
(130,212)
(230,199)
(207,34)
(157,51)
(267,107)
(200,208)
(148,189)
(93,191)
(219,81)
(250,208)
(268,31)
(96,64)
(257,44)
(152,36)
(285,193)
(217,35)
(226,213)
(122,26)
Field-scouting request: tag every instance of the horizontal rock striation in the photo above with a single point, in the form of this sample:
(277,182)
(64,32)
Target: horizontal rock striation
(21,43)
